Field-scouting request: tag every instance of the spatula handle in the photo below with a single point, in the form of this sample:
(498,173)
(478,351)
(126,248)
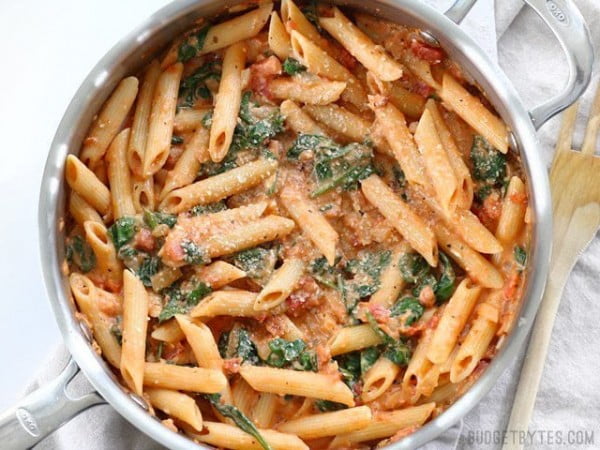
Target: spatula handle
(582,228)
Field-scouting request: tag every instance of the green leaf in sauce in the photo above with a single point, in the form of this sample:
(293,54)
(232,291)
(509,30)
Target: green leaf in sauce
(489,165)
(154,218)
(408,307)
(194,86)
(194,254)
(291,353)
(520,255)
(193,44)
(242,422)
(292,66)
(122,231)
(79,252)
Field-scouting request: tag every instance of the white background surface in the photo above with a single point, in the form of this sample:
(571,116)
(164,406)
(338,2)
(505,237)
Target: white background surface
(47,50)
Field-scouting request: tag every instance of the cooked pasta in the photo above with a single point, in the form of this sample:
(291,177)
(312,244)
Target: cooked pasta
(286,240)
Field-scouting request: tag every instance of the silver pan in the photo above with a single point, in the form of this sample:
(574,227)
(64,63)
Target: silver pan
(35,416)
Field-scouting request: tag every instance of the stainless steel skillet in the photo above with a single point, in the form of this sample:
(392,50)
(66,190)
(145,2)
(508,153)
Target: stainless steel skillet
(35,416)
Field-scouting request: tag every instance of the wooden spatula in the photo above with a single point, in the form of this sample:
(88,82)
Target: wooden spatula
(575,184)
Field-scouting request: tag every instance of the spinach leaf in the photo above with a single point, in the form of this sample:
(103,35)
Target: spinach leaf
(311,13)
(149,267)
(410,308)
(306,142)
(238,344)
(367,271)
(176,140)
(223,343)
(334,165)
(520,257)
(79,252)
(396,351)
(194,86)
(489,165)
(117,330)
(155,218)
(291,353)
(207,120)
(193,253)
(327,405)
(199,292)
(292,66)
(193,44)
(444,286)
(413,267)
(368,357)
(122,231)
(416,271)
(257,262)
(179,302)
(242,422)
(252,135)
(323,273)
(349,367)
(211,208)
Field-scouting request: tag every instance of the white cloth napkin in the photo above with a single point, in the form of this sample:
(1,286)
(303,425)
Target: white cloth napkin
(569,396)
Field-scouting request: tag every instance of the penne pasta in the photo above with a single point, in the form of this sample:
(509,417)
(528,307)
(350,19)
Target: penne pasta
(108,266)
(340,120)
(437,164)
(238,29)
(298,120)
(378,379)
(119,177)
(160,127)
(294,20)
(452,322)
(169,331)
(280,285)
(219,186)
(472,111)
(143,195)
(386,424)
(304,384)
(404,149)
(329,424)
(202,342)
(141,120)
(81,210)
(227,104)
(193,379)
(279,39)
(219,274)
(414,229)
(229,436)
(373,57)
(87,185)
(391,282)
(135,324)
(476,266)
(178,405)
(109,121)
(349,339)
(234,302)
(187,166)
(514,206)
(86,295)
(306,214)
(320,63)
(312,92)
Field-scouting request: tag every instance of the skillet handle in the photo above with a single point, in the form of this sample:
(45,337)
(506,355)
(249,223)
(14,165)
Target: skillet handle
(568,26)
(43,411)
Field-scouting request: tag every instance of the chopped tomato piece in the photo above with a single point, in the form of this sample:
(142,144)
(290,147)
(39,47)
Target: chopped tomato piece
(426,52)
